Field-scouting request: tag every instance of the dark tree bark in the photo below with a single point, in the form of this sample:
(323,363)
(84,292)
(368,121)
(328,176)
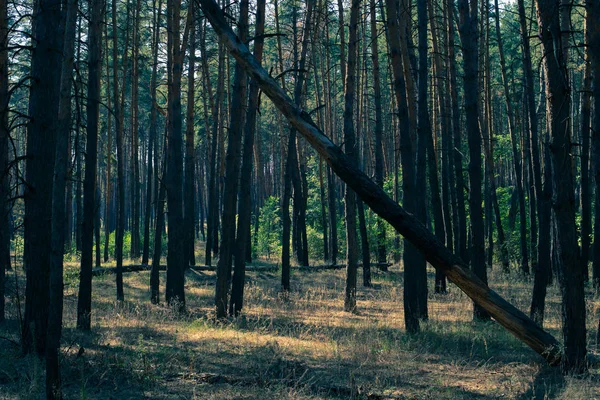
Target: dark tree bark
(4,136)
(84,300)
(406,224)
(460,231)
(135,142)
(190,162)
(425,142)
(213,197)
(570,274)
(152,138)
(593,37)
(159,227)
(291,177)
(516,155)
(379,173)
(441,214)
(351,152)
(236,127)
(41,146)
(586,192)
(245,206)
(468,10)
(117,109)
(412,256)
(53,376)
(109,156)
(175,294)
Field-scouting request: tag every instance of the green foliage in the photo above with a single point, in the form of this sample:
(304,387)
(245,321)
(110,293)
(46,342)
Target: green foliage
(268,242)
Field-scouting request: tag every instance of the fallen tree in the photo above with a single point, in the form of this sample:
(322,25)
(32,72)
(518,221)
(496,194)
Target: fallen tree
(371,194)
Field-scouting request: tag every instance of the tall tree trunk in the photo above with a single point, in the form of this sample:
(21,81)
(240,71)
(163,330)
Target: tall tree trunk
(379,173)
(84,300)
(570,275)
(135,142)
(230,194)
(460,232)
(53,376)
(159,226)
(175,294)
(425,141)
(109,156)
(441,214)
(412,256)
(586,192)
(190,163)
(4,136)
(152,138)
(117,109)
(516,155)
(593,14)
(468,10)
(352,153)
(41,146)
(245,206)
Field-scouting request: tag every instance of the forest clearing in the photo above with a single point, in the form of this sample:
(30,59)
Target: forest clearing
(300,347)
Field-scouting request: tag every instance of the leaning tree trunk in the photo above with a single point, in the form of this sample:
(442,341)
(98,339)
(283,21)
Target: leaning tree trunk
(406,224)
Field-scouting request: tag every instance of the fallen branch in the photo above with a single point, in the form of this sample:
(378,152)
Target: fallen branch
(371,194)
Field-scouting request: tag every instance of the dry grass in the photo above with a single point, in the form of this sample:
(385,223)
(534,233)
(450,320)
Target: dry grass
(301,346)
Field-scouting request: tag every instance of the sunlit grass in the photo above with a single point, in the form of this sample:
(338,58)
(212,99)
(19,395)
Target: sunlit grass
(297,346)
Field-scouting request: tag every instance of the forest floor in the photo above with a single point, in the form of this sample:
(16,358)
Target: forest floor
(300,346)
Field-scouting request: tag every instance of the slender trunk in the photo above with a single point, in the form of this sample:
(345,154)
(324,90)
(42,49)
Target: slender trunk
(152,134)
(135,163)
(244,209)
(158,230)
(236,127)
(4,137)
(460,231)
(441,214)
(412,256)
(593,14)
(190,163)
(469,37)
(84,302)
(516,156)
(379,177)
